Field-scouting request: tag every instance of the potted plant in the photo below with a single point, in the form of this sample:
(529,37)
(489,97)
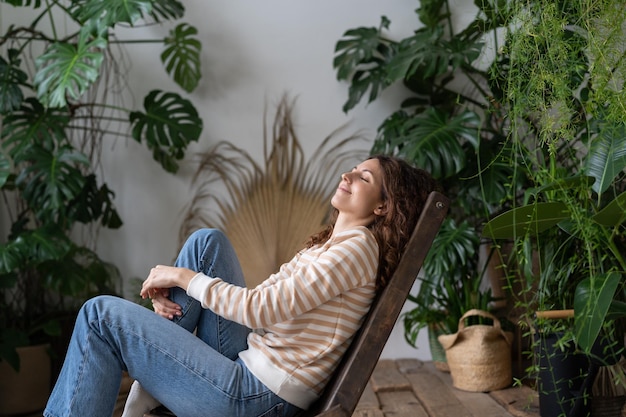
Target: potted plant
(57,78)
(568,126)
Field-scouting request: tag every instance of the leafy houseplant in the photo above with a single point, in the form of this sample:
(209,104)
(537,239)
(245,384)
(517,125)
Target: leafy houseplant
(59,78)
(571,136)
(568,126)
(453,125)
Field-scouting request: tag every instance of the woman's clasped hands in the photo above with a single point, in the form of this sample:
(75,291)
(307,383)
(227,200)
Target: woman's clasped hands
(157,287)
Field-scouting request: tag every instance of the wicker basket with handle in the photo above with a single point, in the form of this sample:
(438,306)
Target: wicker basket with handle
(479,356)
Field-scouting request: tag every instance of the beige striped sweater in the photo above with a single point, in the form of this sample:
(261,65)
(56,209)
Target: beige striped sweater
(304,316)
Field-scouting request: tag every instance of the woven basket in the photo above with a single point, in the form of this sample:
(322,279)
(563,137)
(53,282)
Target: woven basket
(479,356)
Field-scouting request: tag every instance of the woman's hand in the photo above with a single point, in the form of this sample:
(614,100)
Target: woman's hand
(163,306)
(162,277)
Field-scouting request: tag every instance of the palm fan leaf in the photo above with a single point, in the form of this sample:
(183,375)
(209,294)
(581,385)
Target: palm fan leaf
(268,211)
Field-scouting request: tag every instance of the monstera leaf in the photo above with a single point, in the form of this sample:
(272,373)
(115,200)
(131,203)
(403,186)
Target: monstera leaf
(11,78)
(169,124)
(66,69)
(110,12)
(167,9)
(50,178)
(182,56)
(33,247)
(433,140)
(33,123)
(360,57)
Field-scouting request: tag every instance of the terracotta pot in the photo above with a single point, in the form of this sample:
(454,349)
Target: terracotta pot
(26,391)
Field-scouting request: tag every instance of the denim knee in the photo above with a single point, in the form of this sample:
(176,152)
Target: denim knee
(206,236)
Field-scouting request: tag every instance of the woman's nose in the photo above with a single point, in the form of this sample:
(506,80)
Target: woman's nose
(345,177)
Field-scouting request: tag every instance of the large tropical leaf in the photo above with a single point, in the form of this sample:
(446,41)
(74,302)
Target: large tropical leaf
(49,179)
(11,78)
(110,12)
(607,156)
(94,203)
(429,12)
(433,141)
(32,248)
(65,69)
(357,46)
(429,54)
(360,57)
(167,10)
(21,3)
(526,220)
(169,124)
(182,56)
(268,210)
(592,301)
(453,246)
(614,213)
(33,123)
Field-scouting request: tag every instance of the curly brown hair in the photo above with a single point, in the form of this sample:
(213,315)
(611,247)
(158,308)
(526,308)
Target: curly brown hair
(405,190)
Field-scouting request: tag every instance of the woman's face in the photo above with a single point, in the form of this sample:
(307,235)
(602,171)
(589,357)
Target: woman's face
(359,195)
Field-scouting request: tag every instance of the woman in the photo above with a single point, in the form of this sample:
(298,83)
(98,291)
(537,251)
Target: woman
(303,317)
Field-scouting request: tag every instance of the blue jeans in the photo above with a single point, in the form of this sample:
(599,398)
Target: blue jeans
(192,375)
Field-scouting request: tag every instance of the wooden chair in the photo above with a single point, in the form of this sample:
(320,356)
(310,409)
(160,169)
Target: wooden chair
(345,388)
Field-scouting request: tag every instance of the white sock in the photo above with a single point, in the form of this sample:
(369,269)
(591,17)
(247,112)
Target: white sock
(139,401)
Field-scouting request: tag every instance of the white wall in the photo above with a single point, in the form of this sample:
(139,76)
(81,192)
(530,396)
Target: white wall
(253,52)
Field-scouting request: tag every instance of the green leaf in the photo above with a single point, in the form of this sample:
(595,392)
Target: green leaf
(10,339)
(50,179)
(452,247)
(11,78)
(21,3)
(592,301)
(429,12)
(110,12)
(429,55)
(526,220)
(614,213)
(32,123)
(94,203)
(5,169)
(568,183)
(167,9)
(607,156)
(168,126)
(182,56)
(32,248)
(373,80)
(65,69)
(360,57)
(432,140)
(354,48)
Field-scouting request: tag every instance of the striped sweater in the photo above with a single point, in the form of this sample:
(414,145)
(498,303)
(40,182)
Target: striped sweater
(304,316)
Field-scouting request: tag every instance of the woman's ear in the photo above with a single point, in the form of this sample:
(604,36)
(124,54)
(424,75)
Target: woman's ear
(381,210)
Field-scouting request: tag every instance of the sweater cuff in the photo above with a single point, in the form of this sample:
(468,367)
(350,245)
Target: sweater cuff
(199,287)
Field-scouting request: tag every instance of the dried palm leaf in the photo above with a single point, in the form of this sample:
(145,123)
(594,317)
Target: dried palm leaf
(268,211)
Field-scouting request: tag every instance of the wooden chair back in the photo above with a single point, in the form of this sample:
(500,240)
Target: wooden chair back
(344,390)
